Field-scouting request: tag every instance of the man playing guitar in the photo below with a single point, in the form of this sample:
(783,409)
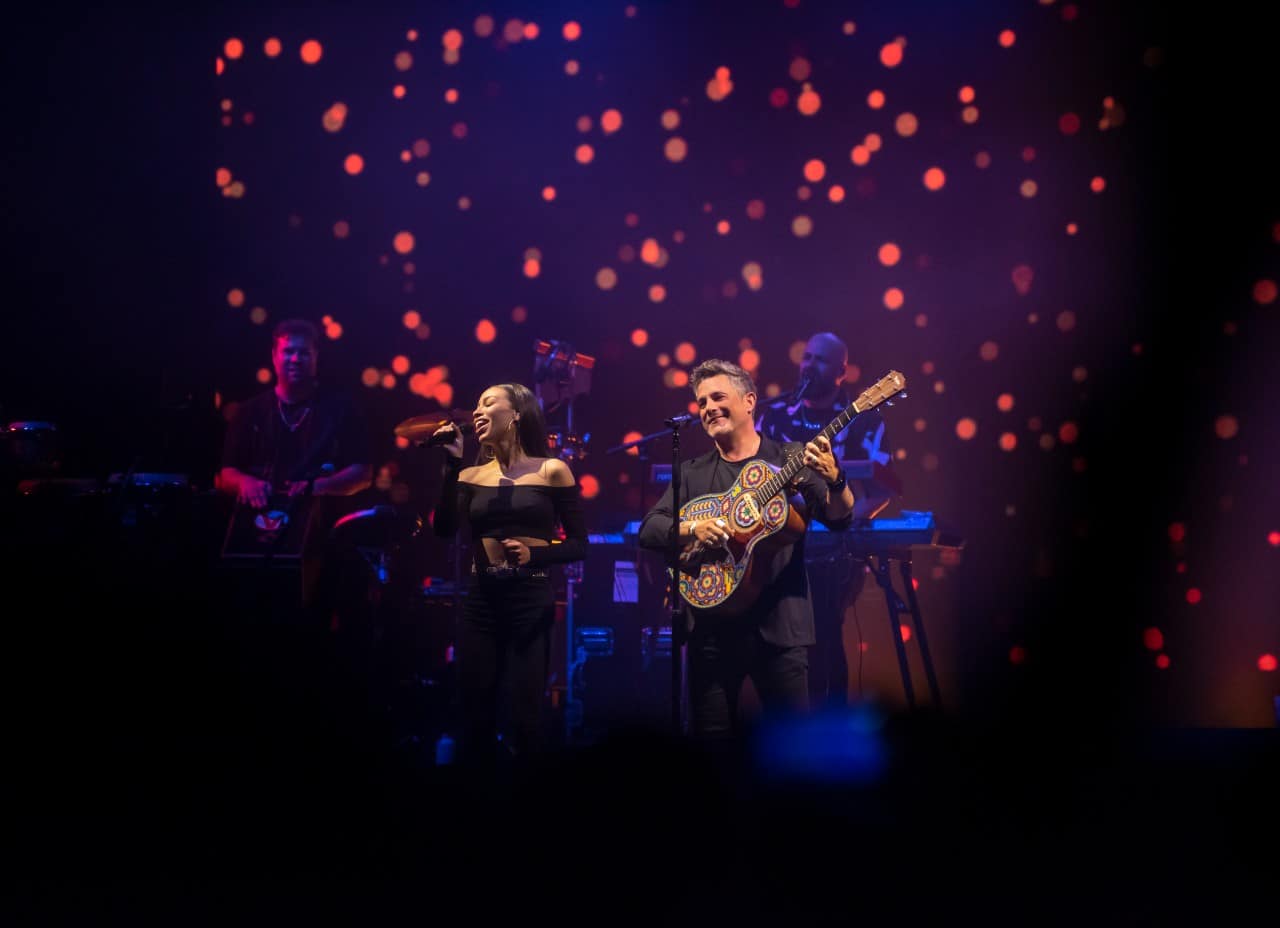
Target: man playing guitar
(768,639)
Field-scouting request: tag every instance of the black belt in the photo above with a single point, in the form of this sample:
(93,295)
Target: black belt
(509,572)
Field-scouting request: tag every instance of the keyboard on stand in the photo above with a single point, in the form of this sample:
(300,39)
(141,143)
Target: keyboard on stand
(892,536)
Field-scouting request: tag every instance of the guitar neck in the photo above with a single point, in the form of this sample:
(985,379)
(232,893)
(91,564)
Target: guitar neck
(888,386)
(773,486)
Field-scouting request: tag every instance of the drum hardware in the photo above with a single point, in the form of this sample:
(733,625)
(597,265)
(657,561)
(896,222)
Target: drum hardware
(34,448)
(376,534)
(560,375)
(142,496)
(567,446)
(61,487)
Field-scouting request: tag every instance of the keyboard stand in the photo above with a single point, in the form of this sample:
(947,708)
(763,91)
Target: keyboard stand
(880,564)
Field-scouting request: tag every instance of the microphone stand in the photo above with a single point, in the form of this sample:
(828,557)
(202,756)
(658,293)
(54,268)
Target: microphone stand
(642,449)
(641,445)
(678,643)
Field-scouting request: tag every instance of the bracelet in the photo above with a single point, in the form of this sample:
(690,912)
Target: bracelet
(838,485)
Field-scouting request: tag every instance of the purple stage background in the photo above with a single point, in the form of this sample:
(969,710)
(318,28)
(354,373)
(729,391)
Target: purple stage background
(1080,289)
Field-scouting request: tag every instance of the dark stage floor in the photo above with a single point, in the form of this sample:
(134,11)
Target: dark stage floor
(168,722)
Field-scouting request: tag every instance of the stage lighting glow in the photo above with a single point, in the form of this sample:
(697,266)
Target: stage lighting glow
(809,102)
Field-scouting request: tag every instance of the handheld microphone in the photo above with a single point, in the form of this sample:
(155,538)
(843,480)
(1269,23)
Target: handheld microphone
(464,428)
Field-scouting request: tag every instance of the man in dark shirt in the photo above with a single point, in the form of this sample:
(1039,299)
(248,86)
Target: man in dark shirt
(836,578)
(768,641)
(819,397)
(296,440)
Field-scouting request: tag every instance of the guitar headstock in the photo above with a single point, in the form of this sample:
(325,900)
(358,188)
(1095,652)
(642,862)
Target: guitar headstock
(888,388)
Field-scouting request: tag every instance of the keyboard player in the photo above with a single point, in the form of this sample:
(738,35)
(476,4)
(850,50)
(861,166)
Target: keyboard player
(836,577)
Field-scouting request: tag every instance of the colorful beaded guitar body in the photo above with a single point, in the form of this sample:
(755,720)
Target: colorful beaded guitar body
(756,513)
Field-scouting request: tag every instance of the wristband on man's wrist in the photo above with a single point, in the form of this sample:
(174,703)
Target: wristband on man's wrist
(838,485)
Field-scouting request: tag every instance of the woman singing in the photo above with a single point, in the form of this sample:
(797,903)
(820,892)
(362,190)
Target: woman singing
(511,501)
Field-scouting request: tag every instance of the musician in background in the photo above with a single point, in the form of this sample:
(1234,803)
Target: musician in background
(836,578)
(769,641)
(294,441)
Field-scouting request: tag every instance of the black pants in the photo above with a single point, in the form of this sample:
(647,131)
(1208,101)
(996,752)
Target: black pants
(504,648)
(834,583)
(722,657)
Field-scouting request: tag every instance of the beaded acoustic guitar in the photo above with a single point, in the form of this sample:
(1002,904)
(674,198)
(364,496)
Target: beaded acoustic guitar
(758,518)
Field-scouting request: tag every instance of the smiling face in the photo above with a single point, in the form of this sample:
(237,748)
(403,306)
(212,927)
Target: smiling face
(294,360)
(723,409)
(494,416)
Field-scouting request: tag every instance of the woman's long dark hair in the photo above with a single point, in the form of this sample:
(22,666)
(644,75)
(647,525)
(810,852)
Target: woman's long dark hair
(531,429)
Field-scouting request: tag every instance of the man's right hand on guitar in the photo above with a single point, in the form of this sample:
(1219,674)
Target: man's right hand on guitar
(709,531)
(253,492)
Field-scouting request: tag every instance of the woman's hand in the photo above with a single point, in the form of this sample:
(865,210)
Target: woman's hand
(453,438)
(517,552)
